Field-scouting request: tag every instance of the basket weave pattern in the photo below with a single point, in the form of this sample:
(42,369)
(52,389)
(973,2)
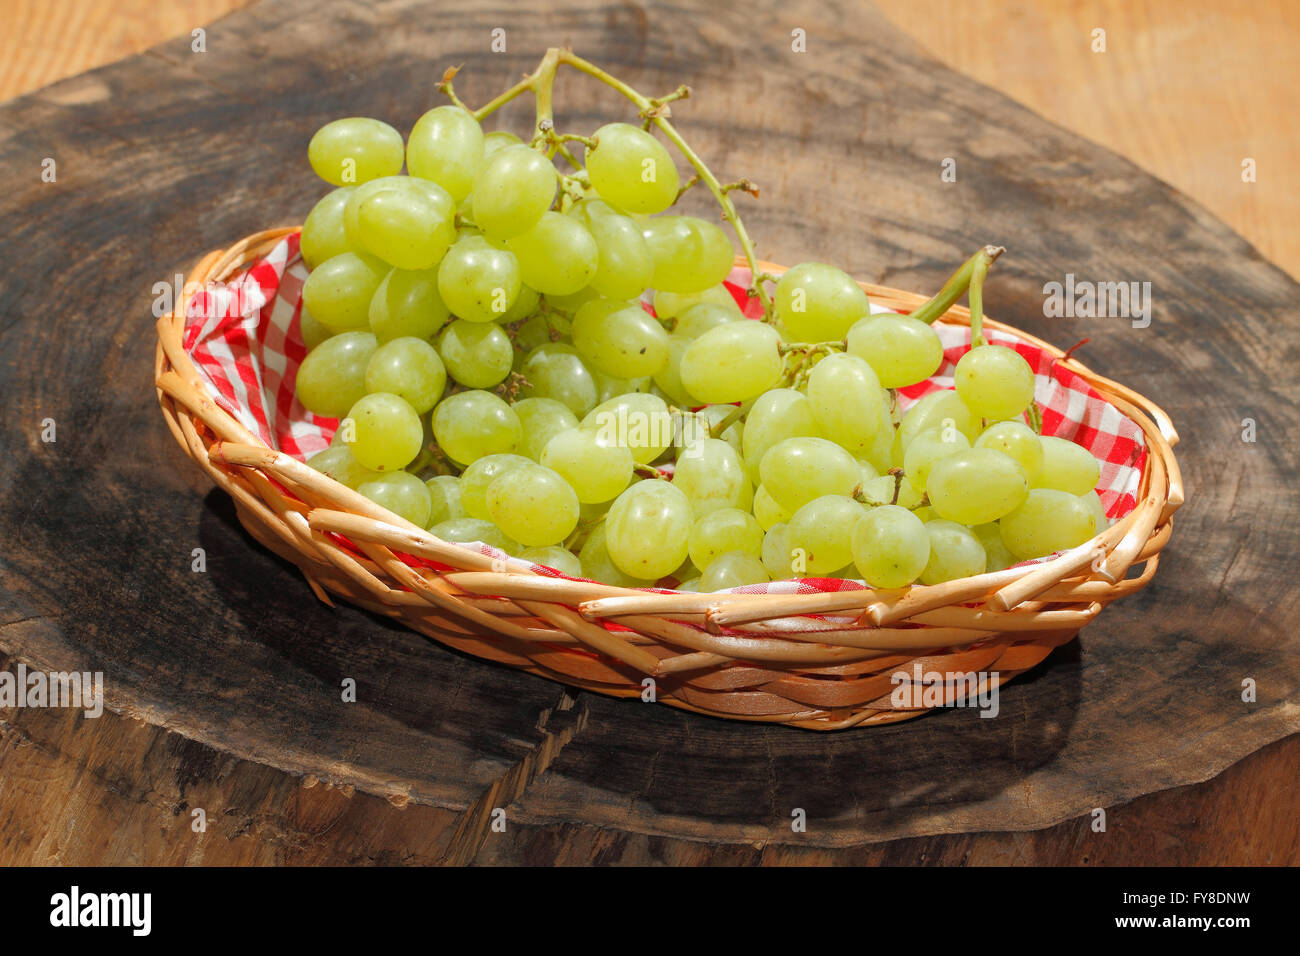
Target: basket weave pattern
(727,655)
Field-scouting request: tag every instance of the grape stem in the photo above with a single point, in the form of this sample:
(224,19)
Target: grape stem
(958,283)
(1035,414)
(799,358)
(541,83)
(733,416)
(898,483)
(977,276)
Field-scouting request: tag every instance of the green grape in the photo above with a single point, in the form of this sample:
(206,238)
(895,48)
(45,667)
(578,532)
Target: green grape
(624,266)
(648,529)
(699,318)
(542,419)
(426,460)
(410,227)
(534,331)
(776,415)
(469,530)
(554,557)
(689,254)
(597,468)
(928,448)
(934,411)
(337,462)
(478,354)
(533,505)
(1016,440)
(847,401)
(312,332)
(733,362)
(323,234)
(478,280)
(669,378)
(407,303)
(878,453)
(996,553)
(620,338)
(556,371)
(355,150)
(767,511)
(1094,503)
(359,194)
(954,553)
(721,531)
(444,499)
(820,534)
(797,470)
(609,387)
(1047,522)
(776,552)
(497,139)
(632,170)
(976,486)
(338,291)
(711,475)
(570,304)
(891,547)
(408,367)
(637,421)
(818,303)
(383,431)
(479,475)
(401,493)
(469,425)
(557,255)
(670,305)
(901,349)
(525,304)
(446,146)
(332,378)
(598,566)
(516,186)
(1067,467)
(995,382)
(732,570)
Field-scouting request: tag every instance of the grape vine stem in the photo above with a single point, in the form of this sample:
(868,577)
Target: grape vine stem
(958,283)
(541,83)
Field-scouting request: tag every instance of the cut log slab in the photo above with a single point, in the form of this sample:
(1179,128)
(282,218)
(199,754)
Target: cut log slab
(236,673)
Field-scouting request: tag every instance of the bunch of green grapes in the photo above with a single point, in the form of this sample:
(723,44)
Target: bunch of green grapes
(477,325)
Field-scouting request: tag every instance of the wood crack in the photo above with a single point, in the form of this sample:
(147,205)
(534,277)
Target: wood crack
(558,726)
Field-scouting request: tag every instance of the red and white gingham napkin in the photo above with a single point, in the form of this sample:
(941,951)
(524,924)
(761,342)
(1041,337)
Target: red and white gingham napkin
(244,337)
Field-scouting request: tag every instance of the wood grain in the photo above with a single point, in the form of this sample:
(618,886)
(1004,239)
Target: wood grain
(48,40)
(239,669)
(126,792)
(1186,88)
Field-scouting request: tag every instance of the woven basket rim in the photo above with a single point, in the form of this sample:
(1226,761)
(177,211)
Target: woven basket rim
(1046,602)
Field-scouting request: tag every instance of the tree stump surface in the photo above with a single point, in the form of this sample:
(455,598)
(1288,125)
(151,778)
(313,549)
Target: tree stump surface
(224,687)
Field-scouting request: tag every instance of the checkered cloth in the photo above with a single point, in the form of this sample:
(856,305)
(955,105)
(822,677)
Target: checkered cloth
(245,339)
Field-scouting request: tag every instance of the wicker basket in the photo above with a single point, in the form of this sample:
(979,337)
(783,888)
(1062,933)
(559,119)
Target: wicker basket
(714,654)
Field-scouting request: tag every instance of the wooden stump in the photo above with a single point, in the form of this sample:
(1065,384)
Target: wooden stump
(236,672)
